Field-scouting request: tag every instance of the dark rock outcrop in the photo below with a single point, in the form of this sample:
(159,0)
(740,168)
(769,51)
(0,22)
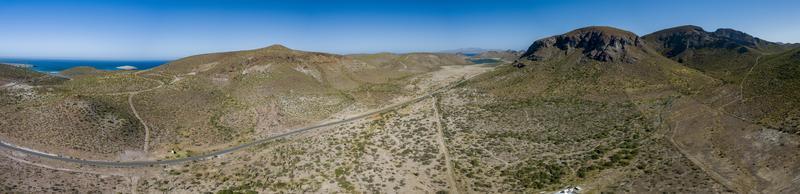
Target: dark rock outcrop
(597,43)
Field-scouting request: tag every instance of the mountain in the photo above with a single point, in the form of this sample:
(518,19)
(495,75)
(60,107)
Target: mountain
(758,73)
(756,99)
(598,43)
(681,40)
(600,103)
(609,54)
(577,108)
(748,64)
(724,53)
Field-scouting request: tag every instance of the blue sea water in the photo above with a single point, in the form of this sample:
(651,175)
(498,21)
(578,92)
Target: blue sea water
(57,65)
(483,61)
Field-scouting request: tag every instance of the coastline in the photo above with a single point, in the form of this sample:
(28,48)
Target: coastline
(55,66)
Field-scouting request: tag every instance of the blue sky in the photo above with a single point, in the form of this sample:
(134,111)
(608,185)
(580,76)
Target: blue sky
(165,29)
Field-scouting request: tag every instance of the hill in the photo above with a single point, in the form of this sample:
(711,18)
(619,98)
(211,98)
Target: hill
(204,102)
(507,55)
(16,74)
(37,114)
(81,71)
(221,95)
(768,93)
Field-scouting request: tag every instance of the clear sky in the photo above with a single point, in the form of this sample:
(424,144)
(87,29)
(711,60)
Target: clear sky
(164,29)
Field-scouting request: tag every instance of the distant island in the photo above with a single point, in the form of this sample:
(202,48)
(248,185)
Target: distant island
(127,67)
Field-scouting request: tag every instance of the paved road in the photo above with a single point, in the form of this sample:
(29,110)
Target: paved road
(219,152)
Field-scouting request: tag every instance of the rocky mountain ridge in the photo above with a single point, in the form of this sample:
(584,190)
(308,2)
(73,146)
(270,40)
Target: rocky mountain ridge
(596,42)
(676,41)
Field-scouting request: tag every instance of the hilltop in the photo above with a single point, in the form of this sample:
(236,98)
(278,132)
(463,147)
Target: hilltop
(81,71)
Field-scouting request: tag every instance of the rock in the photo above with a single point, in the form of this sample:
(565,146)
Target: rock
(597,43)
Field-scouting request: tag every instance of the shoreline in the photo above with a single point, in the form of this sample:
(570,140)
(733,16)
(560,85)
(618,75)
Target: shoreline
(56,66)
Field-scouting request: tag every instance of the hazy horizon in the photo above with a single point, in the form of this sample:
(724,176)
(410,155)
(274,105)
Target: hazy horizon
(158,30)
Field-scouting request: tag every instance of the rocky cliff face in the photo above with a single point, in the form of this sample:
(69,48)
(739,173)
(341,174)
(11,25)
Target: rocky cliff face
(597,43)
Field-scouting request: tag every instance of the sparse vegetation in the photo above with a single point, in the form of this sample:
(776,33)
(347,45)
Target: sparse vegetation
(610,115)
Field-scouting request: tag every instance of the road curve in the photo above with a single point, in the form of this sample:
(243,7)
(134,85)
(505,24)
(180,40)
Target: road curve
(218,152)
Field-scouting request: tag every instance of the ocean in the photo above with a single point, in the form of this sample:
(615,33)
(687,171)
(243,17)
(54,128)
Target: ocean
(57,65)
